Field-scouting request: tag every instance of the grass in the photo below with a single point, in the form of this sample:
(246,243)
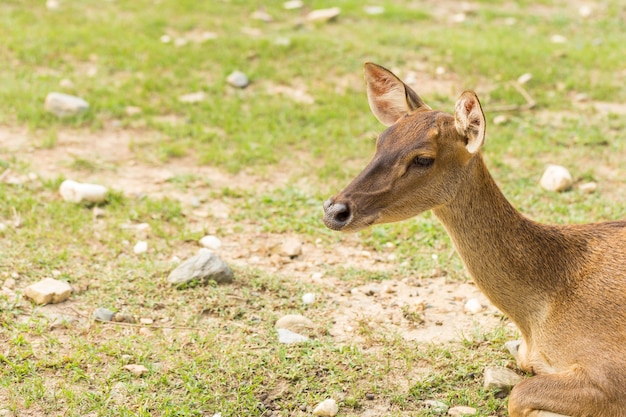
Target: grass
(213,349)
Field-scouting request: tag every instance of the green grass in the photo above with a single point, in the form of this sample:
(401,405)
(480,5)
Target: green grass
(213,348)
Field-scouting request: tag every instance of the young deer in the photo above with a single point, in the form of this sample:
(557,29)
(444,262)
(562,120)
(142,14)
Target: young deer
(563,286)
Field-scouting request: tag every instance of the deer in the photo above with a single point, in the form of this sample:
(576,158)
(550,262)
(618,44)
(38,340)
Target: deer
(563,286)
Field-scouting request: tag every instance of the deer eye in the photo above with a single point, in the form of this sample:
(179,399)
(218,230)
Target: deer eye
(422,162)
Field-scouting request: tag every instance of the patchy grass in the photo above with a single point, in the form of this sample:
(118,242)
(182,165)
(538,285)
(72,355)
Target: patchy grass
(213,349)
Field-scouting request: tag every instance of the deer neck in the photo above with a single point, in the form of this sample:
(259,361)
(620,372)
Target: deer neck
(512,259)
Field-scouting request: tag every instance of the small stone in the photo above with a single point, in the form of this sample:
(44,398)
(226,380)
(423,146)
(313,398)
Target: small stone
(138,370)
(500,119)
(78,192)
(132,110)
(193,97)
(293,4)
(374,10)
(291,247)
(3,227)
(458,18)
(140,247)
(65,105)
(588,187)
(323,15)
(308,298)
(165,39)
(513,347)
(585,11)
(461,411)
(327,408)
(295,323)
(510,21)
(500,379)
(146,320)
(524,78)
(103,314)
(53,4)
(262,15)
(145,332)
(556,178)
(211,242)
(369,396)
(473,306)
(66,83)
(203,267)
(436,406)
(558,39)
(288,337)
(48,291)
(9,283)
(238,79)
(123,318)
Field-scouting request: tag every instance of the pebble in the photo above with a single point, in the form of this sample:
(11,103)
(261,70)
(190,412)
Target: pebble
(238,79)
(436,406)
(262,15)
(585,11)
(473,306)
(66,83)
(524,78)
(53,4)
(140,247)
(293,4)
(203,267)
(137,370)
(558,39)
(192,97)
(513,347)
(146,320)
(211,242)
(102,314)
(588,187)
(9,283)
(77,192)
(65,105)
(327,408)
(462,411)
(374,10)
(556,178)
(500,379)
(295,322)
(323,15)
(132,110)
(48,291)
(500,119)
(308,298)
(288,337)
(291,247)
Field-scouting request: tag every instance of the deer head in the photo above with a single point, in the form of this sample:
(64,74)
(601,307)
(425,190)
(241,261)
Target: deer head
(421,159)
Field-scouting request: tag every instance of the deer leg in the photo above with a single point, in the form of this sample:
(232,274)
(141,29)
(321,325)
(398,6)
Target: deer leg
(568,393)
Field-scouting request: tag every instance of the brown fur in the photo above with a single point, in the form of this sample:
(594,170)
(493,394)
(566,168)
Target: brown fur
(563,286)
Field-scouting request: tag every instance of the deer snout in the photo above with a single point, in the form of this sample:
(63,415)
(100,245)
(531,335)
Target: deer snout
(336,215)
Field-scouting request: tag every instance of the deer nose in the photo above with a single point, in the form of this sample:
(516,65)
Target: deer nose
(336,215)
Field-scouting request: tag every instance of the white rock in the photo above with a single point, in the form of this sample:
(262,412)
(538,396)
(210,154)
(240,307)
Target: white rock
(588,187)
(77,192)
(374,10)
(48,291)
(323,15)
(558,39)
(3,227)
(317,276)
(137,370)
(132,110)
(53,4)
(524,78)
(211,242)
(440,70)
(293,4)
(295,323)
(585,11)
(66,83)
(556,178)
(288,337)
(462,411)
(291,247)
(140,247)
(9,283)
(308,298)
(165,39)
(238,79)
(513,347)
(500,119)
(500,378)
(473,306)
(458,18)
(327,408)
(64,105)
(146,320)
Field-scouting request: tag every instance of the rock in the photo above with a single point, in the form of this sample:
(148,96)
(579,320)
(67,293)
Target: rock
(462,411)
(500,119)
(288,337)
(588,187)
(118,392)
(558,39)
(9,283)
(293,4)
(238,79)
(76,192)
(585,11)
(436,406)
(211,242)
(103,314)
(513,347)
(262,15)
(556,178)
(65,105)
(500,379)
(524,78)
(374,10)
(326,408)
(192,97)
(295,323)
(323,15)
(203,267)
(132,110)
(123,318)
(308,298)
(53,4)
(66,83)
(473,306)
(48,291)
(291,247)
(138,370)
(140,247)
(146,320)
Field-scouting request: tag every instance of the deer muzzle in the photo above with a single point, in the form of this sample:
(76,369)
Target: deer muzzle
(336,215)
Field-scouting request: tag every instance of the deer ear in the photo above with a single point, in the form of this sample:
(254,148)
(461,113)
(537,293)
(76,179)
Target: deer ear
(469,121)
(389,98)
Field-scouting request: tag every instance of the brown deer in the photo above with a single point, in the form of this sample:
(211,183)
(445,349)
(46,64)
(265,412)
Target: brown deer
(563,286)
